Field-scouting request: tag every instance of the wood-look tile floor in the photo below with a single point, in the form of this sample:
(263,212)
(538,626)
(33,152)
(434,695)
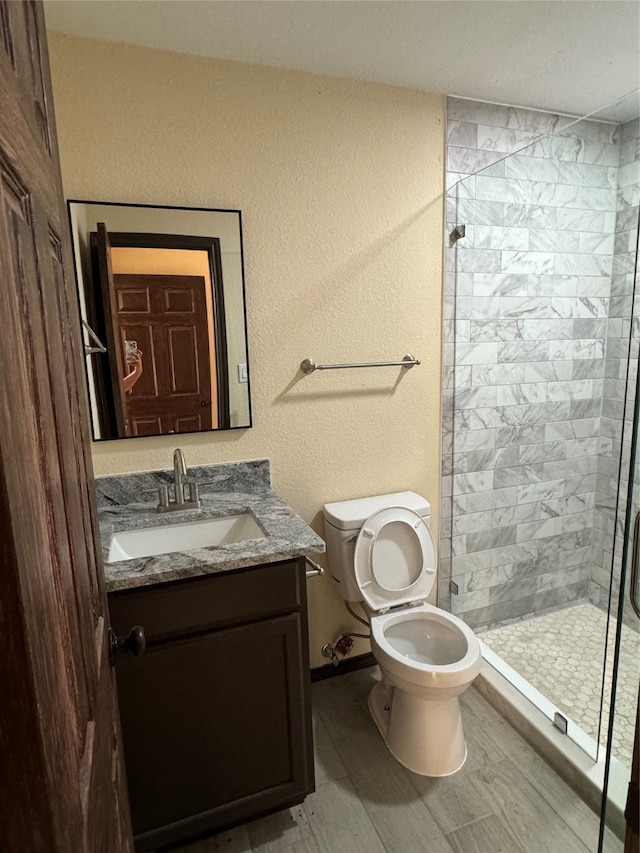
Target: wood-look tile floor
(505,799)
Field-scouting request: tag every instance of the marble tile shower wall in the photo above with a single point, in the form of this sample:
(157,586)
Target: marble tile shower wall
(527,305)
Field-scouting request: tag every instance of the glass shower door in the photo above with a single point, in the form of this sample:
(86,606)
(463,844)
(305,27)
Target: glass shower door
(622,704)
(624,691)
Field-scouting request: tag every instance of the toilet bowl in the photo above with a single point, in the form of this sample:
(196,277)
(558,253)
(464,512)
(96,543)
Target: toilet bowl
(428,657)
(382,553)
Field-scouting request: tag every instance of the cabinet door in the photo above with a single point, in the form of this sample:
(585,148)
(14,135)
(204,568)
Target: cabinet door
(215,729)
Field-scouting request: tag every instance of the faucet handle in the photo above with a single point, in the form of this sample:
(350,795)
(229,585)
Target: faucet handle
(163,495)
(194,491)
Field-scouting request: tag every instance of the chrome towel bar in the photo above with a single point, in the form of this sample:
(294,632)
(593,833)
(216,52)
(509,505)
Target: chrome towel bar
(99,346)
(309,365)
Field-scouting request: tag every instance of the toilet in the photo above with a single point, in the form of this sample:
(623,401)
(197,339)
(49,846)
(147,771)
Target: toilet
(382,553)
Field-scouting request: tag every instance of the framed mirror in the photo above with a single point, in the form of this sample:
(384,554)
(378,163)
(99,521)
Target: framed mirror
(162,302)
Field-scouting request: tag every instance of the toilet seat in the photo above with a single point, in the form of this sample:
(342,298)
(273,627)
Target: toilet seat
(395,558)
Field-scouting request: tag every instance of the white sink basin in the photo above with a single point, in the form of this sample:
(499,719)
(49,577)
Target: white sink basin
(130,544)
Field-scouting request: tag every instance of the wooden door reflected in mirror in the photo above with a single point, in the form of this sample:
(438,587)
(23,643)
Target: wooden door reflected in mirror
(163,289)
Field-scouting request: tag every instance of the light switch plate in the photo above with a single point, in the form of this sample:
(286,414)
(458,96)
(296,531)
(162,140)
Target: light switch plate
(243,375)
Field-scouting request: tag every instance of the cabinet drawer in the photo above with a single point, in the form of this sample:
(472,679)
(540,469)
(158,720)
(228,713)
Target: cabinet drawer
(227,598)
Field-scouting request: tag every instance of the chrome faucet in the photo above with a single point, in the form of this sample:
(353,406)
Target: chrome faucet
(181,480)
(179,474)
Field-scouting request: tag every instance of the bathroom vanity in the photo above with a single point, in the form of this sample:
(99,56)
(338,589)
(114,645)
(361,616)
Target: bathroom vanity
(216,713)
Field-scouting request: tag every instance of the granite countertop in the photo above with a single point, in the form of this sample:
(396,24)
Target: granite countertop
(128,502)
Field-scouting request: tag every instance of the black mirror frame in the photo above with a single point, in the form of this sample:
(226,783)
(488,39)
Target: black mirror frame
(151,240)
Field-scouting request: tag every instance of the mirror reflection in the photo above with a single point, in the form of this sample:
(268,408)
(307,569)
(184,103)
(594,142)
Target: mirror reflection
(162,290)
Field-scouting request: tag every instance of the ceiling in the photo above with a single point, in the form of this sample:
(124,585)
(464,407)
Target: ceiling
(569,56)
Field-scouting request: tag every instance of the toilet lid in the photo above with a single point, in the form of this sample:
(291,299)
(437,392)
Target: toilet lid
(395,558)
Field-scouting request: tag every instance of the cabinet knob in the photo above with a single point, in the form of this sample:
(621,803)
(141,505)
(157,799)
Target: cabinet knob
(135,642)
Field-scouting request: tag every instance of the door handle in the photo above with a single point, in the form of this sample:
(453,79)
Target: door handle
(135,643)
(204,403)
(635,555)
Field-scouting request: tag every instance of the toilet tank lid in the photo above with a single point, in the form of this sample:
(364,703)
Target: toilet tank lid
(350,515)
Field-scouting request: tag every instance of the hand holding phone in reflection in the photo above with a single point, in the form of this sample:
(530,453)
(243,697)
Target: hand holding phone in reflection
(134,362)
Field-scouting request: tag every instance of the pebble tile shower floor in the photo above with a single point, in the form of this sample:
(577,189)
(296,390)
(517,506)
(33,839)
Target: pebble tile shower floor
(562,654)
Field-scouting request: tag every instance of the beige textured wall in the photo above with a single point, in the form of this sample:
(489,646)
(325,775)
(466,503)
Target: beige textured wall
(340,187)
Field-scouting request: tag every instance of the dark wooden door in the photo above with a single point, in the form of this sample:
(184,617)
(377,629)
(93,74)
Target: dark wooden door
(167,316)
(61,777)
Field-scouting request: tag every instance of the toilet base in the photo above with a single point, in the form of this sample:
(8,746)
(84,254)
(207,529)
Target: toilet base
(424,735)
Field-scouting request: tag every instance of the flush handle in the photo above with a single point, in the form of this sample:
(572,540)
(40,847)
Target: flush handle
(314,569)
(134,643)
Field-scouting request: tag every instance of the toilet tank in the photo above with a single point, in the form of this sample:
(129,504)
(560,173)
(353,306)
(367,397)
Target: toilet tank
(342,523)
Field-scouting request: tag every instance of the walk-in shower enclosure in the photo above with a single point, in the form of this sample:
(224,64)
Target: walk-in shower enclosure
(539,363)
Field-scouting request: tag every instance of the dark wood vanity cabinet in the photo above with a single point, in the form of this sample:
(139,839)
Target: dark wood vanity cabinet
(215,714)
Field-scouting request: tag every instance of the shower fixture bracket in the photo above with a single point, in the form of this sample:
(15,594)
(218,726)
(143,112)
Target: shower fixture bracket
(457,234)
